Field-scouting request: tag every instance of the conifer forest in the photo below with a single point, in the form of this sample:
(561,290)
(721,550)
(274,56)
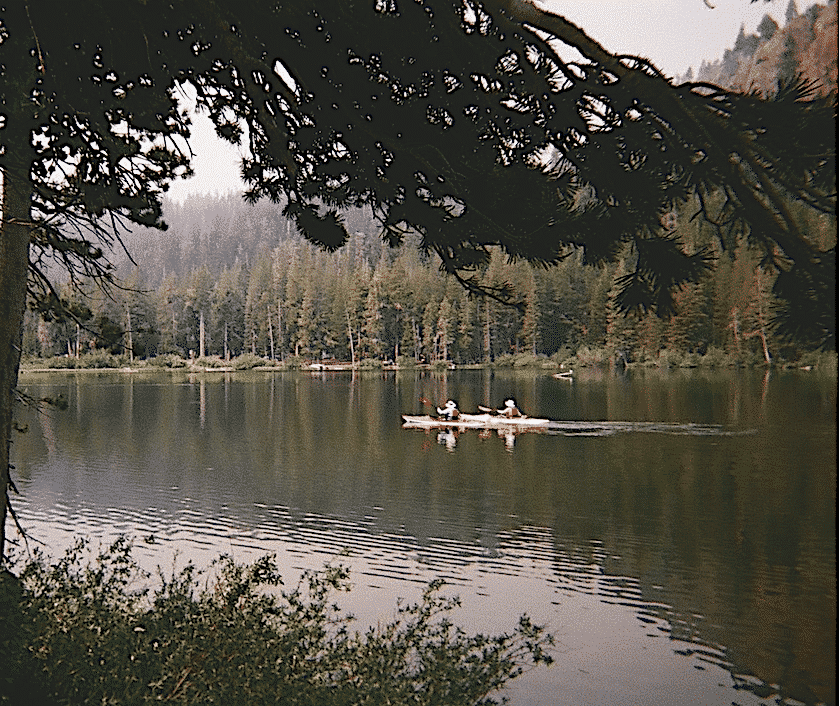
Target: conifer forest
(229,279)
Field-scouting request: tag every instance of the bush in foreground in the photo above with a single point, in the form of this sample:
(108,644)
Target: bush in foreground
(86,632)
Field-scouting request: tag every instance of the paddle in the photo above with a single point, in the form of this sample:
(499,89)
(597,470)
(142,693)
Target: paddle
(487,409)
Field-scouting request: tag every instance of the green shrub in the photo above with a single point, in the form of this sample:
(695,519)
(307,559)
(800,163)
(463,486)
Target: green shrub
(669,358)
(97,635)
(565,357)
(211,362)
(61,362)
(528,360)
(246,361)
(293,362)
(370,364)
(406,361)
(100,358)
(167,360)
(716,358)
(504,361)
(691,360)
(593,356)
(440,365)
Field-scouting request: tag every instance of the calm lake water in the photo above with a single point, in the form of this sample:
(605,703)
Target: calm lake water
(677,532)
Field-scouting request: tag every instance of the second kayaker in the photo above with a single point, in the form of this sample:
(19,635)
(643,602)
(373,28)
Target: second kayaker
(449,411)
(510,410)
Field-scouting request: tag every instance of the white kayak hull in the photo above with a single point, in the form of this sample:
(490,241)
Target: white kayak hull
(477,421)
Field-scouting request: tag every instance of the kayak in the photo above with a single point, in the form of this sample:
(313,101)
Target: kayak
(476,421)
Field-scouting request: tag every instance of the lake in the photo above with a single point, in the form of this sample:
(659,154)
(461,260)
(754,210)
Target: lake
(677,532)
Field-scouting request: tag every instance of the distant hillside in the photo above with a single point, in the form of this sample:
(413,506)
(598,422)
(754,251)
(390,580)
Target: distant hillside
(217,231)
(806,45)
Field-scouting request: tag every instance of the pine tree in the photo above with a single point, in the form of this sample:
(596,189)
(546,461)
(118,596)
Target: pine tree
(767,28)
(757,311)
(531,314)
(170,309)
(788,64)
(259,304)
(141,335)
(196,305)
(444,328)
(429,331)
(791,13)
(372,320)
(687,330)
(308,322)
(227,312)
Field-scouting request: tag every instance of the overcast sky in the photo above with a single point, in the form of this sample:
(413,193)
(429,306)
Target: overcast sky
(674,34)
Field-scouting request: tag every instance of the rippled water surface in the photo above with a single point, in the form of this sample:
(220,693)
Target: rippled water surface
(676,531)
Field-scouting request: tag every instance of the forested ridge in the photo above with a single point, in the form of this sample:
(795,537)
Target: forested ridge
(261,288)
(230,278)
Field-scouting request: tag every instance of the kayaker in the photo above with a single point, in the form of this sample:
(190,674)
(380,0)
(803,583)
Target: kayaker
(510,410)
(449,411)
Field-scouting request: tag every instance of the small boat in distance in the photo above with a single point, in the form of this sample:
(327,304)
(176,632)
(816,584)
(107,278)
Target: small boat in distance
(473,421)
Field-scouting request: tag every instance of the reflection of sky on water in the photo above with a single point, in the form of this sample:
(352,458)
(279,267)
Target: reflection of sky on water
(591,613)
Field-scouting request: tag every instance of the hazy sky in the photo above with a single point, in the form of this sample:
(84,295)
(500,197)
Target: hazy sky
(674,34)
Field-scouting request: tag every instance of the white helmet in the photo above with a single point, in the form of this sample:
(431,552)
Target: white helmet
(450,404)
(510,403)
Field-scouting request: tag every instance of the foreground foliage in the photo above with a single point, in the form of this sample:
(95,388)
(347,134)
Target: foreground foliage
(86,631)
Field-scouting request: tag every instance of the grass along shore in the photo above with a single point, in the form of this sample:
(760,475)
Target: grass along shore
(584,357)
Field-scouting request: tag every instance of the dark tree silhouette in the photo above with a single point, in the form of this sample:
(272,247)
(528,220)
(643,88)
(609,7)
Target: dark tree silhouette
(767,28)
(465,122)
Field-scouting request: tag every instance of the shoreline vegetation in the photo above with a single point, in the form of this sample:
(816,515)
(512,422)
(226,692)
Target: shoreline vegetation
(95,628)
(585,357)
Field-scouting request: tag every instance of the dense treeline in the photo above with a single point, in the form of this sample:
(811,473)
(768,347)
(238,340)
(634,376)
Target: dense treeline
(229,279)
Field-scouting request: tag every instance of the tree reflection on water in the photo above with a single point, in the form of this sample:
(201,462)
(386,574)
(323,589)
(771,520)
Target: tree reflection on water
(700,507)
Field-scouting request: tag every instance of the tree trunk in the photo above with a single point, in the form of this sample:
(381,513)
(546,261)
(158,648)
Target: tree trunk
(760,295)
(270,334)
(736,331)
(201,334)
(130,335)
(763,337)
(280,330)
(488,351)
(352,347)
(14,264)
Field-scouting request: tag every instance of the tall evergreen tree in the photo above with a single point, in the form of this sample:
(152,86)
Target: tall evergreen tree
(228,313)
(531,315)
(791,12)
(767,28)
(445,328)
(372,331)
(787,72)
(258,305)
